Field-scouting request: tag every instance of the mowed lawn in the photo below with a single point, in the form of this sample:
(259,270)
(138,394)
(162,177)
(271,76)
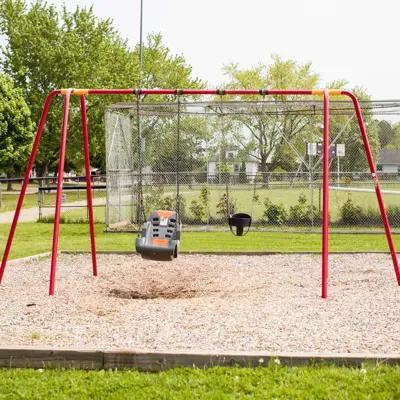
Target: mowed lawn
(34,238)
(242,195)
(9,201)
(271,382)
(288,196)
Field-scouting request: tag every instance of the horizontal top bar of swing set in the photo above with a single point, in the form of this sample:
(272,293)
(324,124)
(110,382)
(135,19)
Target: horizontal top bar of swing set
(221,92)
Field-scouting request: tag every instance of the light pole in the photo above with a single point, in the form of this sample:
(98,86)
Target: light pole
(141,43)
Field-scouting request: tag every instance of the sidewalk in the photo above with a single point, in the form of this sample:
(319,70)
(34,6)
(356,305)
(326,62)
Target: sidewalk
(29,190)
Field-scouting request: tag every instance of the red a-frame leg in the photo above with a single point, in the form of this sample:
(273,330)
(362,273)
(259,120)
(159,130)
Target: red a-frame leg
(88,183)
(26,180)
(376,183)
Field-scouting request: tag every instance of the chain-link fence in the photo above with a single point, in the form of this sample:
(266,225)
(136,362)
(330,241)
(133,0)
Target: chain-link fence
(210,159)
(73,201)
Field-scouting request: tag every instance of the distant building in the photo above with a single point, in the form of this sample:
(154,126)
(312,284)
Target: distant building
(235,163)
(389,161)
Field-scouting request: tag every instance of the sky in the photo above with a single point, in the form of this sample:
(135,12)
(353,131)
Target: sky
(343,39)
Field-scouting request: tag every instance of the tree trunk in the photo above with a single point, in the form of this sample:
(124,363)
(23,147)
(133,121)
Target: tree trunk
(42,171)
(9,185)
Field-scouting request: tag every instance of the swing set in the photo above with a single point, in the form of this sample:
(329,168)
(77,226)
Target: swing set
(238,221)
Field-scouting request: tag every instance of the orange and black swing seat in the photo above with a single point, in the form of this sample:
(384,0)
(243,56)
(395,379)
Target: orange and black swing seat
(161,236)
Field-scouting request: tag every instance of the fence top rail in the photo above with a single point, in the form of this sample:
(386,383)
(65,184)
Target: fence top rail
(270,103)
(49,178)
(66,188)
(358,174)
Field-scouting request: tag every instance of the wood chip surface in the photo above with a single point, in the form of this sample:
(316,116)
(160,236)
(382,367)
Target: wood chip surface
(200,302)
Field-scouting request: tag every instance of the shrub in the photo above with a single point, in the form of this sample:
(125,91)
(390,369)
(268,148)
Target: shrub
(275,214)
(226,205)
(199,209)
(169,203)
(351,214)
(301,212)
(393,213)
(205,200)
(196,210)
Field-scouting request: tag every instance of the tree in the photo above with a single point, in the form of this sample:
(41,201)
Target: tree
(163,152)
(389,134)
(47,50)
(162,69)
(268,131)
(355,159)
(16,129)
(385,132)
(272,129)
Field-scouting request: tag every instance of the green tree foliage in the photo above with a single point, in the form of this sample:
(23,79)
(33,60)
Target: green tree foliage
(164,152)
(389,134)
(271,132)
(355,159)
(266,131)
(385,132)
(47,49)
(16,128)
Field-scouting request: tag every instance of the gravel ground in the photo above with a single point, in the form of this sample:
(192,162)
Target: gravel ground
(200,302)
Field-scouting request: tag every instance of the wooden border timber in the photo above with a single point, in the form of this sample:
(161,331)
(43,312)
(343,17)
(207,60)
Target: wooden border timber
(45,357)
(37,357)
(156,361)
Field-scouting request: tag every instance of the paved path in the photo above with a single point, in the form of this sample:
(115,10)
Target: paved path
(29,190)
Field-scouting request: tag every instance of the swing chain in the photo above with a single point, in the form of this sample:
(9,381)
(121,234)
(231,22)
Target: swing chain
(140,207)
(178,93)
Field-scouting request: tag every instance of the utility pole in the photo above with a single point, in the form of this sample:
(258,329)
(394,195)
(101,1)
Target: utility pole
(141,43)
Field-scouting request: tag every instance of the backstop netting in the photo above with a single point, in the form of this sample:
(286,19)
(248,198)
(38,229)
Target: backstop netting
(211,159)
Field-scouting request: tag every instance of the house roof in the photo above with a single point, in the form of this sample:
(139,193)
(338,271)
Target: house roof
(389,157)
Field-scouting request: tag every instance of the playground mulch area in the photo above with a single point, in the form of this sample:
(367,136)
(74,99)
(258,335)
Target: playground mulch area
(205,302)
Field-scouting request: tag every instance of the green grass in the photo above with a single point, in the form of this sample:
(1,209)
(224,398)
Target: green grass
(243,196)
(272,382)
(49,199)
(9,201)
(34,238)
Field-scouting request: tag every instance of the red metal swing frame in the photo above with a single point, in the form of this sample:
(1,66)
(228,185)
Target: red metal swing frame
(264,92)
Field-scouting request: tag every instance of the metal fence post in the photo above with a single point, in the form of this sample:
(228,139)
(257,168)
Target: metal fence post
(39,205)
(310,171)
